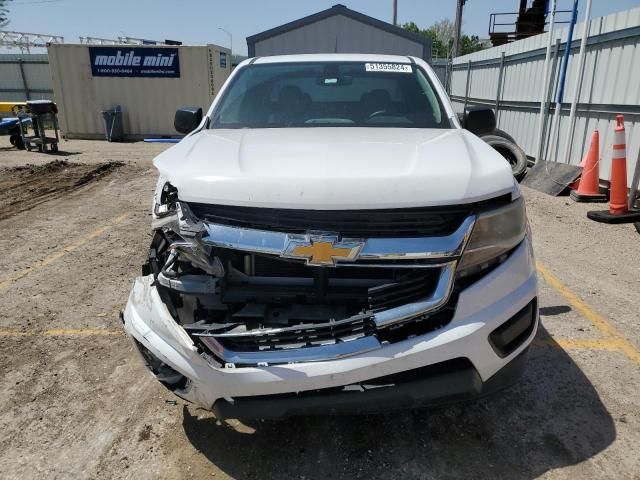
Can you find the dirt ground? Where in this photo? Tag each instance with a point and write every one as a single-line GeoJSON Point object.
{"type": "Point", "coordinates": [76, 401]}
{"type": "Point", "coordinates": [26, 186]}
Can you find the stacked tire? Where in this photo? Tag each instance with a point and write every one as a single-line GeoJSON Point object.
{"type": "Point", "coordinates": [505, 145]}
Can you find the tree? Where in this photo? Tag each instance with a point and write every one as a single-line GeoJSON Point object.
{"type": "Point", "coordinates": [471, 44]}
{"type": "Point", "coordinates": [4, 13]}
{"type": "Point", "coordinates": [438, 49]}
{"type": "Point", "coordinates": [444, 30]}
{"type": "Point", "coordinates": [441, 35]}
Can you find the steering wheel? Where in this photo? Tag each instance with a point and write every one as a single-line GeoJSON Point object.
{"type": "Point", "coordinates": [377, 114]}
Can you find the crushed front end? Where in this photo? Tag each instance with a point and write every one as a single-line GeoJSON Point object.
{"type": "Point", "coordinates": [269, 312]}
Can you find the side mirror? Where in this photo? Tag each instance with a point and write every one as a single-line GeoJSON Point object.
{"type": "Point", "coordinates": [187, 119]}
{"type": "Point", "coordinates": [479, 120]}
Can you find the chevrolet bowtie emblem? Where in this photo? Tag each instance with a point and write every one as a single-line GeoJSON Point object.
{"type": "Point", "coordinates": [323, 250]}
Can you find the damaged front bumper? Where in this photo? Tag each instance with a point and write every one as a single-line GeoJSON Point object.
{"type": "Point", "coordinates": [476, 351]}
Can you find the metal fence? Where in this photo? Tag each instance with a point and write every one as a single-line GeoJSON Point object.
{"type": "Point", "coordinates": [442, 68]}
{"type": "Point", "coordinates": [24, 77]}
{"type": "Point", "coordinates": [509, 78]}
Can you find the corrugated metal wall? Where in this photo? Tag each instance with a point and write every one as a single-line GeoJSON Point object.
{"type": "Point", "coordinates": [337, 34]}
{"type": "Point", "coordinates": [148, 104]}
{"type": "Point", "coordinates": [610, 85]}
{"type": "Point", "coordinates": [24, 77]}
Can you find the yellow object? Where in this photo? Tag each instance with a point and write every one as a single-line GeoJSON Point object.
{"type": "Point", "coordinates": [322, 253]}
{"type": "Point", "coordinates": [611, 334]}
{"type": "Point", "coordinates": [5, 107]}
{"type": "Point", "coordinates": [58, 332]}
{"type": "Point", "coordinates": [55, 256]}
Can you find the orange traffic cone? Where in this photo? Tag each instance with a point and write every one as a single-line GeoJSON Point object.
{"type": "Point", "coordinates": [589, 186]}
{"type": "Point", "coordinates": [618, 194]}
{"type": "Point", "coordinates": [618, 210]}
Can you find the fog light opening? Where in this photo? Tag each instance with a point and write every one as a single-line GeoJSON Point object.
{"type": "Point", "coordinates": [514, 332]}
{"type": "Point", "coordinates": [166, 375]}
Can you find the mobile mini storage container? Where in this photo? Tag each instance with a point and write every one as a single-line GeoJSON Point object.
{"type": "Point", "coordinates": [147, 82]}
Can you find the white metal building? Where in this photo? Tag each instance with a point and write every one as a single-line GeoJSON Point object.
{"type": "Point", "coordinates": [338, 30]}
{"type": "Point", "coordinates": [148, 82]}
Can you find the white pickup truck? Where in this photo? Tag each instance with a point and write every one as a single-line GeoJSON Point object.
{"type": "Point", "coordinates": [329, 237]}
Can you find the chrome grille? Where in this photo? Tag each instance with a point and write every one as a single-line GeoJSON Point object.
{"type": "Point", "coordinates": [279, 309]}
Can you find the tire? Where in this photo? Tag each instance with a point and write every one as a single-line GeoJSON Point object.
{"type": "Point", "coordinates": [502, 133]}
{"type": "Point", "coordinates": [19, 144]}
{"type": "Point", "coordinates": [637, 225]}
{"type": "Point", "coordinates": [511, 152]}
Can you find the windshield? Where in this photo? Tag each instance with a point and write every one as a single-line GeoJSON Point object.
{"type": "Point", "coordinates": [345, 94]}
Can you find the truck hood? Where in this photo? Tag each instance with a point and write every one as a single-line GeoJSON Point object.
{"type": "Point", "coordinates": [327, 168]}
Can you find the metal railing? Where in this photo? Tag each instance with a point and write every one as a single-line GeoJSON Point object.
{"type": "Point", "coordinates": [519, 29]}
{"type": "Point", "coordinates": [25, 41]}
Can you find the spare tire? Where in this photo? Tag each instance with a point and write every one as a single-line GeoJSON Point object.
{"type": "Point", "coordinates": [511, 152]}
{"type": "Point", "coordinates": [502, 133]}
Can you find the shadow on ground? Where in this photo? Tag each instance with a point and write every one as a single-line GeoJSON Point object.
{"type": "Point", "coordinates": [59, 153]}
{"type": "Point", "coordinates": [553, 418]}
{"type": "Point", "coordinates": [62, 153]}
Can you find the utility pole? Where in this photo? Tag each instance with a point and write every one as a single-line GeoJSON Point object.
{"type": "Point", "coordinates": [458, 27]}
{"type": "Point", "coordinates": [230, 38]}
{"type": "Point", "coordinates": [395, 12]}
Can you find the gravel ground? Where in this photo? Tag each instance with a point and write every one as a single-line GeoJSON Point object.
{"type": "Point", "coordinates": [77, 402]}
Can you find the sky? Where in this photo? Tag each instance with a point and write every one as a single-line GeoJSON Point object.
{"type": "Point", "coordinates": [199, 21]}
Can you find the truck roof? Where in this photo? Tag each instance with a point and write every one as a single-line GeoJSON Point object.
{"type": "Point", "coordinates": [334, 57]}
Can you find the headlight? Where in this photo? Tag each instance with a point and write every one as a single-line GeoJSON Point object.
{"type": "Point", "coordinates": [495, 233]}
{"type": "Point", "coordinates": [165, 203]}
